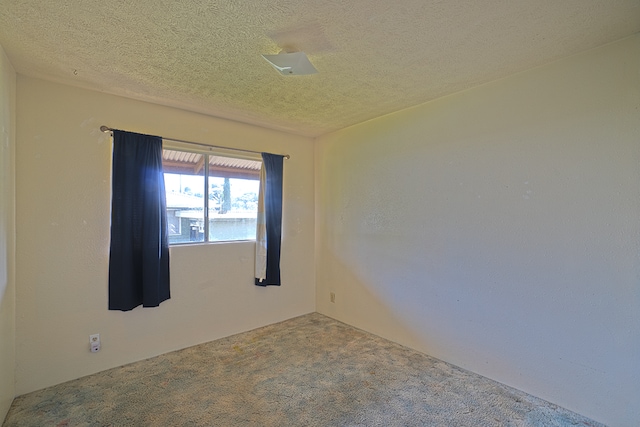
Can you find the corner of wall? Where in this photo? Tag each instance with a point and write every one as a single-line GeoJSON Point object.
{"type": "Point", "coordinates": [316, 230]}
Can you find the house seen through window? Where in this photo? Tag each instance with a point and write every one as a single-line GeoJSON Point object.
{"type": "Point", "coordinates": [210, 197]}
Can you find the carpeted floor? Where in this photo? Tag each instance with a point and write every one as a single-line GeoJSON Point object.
{"type": "Point", "coordinates": [307, 371]}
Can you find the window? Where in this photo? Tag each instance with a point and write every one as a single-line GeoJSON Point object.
{"type": "Point", "coordinates": [212, 196]}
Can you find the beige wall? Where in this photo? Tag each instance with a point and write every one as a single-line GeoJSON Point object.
{"type": "Point", "coordinates": [498, 229]}
{"type": "Point", "coordinates": [7, 233]}
{"type": "Point", "coordinates": [63, 202]}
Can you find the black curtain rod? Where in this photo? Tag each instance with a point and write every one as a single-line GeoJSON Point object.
{"type": "Point", "coordinates": [104, 128]}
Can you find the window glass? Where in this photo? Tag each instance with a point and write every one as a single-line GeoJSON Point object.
{"type": "Point", "coordinates": [233, 207]}
{"type": "Point", "coordinates": [210, 198]}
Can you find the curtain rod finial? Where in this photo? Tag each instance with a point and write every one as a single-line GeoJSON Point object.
{"type": "Point", "coordinates": [104, 128]}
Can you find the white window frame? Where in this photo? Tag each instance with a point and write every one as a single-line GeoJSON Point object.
{"type": "Point", "coordinates": [208, 152]}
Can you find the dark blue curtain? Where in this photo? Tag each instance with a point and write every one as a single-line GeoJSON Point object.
{"type": "Point", "coordinates": [273, 217]}
{"type": "Point", "coordinates": [139, 254]}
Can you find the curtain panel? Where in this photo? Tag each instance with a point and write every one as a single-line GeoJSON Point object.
{"type": "Point", "coordinates": [139, 252]}
{"type": "Point", "coordinates": [269, 224]}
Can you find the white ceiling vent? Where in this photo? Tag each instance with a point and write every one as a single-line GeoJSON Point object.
{"type": "Point", "coordinates": [291, 64]}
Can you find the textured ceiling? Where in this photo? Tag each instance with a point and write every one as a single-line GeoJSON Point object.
{"type": "Point", "coordinates": [374, 57]}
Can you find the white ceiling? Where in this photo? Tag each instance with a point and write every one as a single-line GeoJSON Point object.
{"type": "Point", "coordinates": [373, 57]}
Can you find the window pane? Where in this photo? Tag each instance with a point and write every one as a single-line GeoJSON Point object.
{"type": "Point", "coordinates": [233, 208]}
{"type": "Point", "coordinates": [231, 196]}
{"type": "Point", "coordinates": [185, 207]}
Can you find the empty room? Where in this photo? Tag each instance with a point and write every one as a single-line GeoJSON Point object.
{"type": "Point", "coordinates": [370, 213]}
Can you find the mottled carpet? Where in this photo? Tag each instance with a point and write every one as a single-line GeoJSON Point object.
{"type": "Point", "coordinates": [307, 371]}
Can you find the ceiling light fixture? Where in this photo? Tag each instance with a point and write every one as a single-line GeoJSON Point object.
{"type": "Point", "coordinates": [291, 63]}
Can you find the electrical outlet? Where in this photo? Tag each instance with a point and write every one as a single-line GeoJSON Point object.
{"type": "Point", "coordinates": [94, 343]}
{"type": "Point", "coordinates": [332, 296]}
